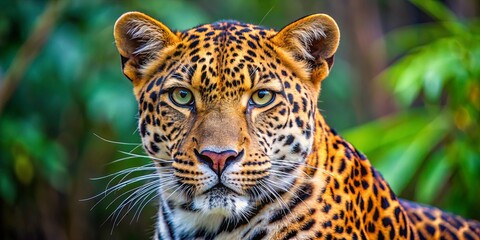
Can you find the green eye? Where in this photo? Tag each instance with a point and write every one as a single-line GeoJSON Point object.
{"type": "Point", "coordinates": [181, 96]}
{"type": "Point", "coordinates": [262, 98]}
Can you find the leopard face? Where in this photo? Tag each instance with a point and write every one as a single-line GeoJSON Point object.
{"type": "Point", "coordinates": [226, 110]}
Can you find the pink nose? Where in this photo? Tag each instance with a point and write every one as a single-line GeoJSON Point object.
{"type": "Point", "coordinates": [217, 161]}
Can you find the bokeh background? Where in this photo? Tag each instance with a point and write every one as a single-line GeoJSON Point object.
{"type": "Point", "coordinates": [405, 89]}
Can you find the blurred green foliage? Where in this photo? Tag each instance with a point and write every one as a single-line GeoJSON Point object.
{"type": "Point", "coordinates": [73, 88]}
{"type": "Point", "coordinates": [432, 146]}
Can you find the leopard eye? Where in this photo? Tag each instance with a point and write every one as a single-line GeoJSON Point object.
{"type": "Point", "coordinates": [181, 96]}
{"type": "Point", "coordinates": [262, 98]}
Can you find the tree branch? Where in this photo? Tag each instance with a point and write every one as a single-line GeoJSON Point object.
{"type": "Point", "coordinates": [29, 50]}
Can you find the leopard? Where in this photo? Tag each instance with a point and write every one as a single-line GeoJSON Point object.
{"type": "Point", "coordinates": [228, 114]}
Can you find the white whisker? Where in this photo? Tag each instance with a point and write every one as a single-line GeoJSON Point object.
{"type": "Point", "coordinates": [146, 156]}
{"type": "Point", "coordinates": [115, 142]}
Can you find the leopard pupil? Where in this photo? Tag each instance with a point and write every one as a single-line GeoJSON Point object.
{"type": "Point", "coordinates": [262, 94]}
{"type": "Point", "coordinates": [183, 93]}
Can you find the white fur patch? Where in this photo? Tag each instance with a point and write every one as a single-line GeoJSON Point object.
{"type": "Point", "coordinates": [213, 208]}
{"type": "Point", "coordinates": [147, 35]}
{"type": "Point", "coordinates": [302, 37]}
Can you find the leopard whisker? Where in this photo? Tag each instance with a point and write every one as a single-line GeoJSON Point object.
{"type": "Point", "coordinates": [189, 71]}
{"type": "Point", "coordinates": [276, 195]}
{"type": "Point", "coordinates": [147, 156]}
{"type": "Point", "coordinates": [277, 185]}
{"type": "Point", "coordinates": [127, 174]}
{"type": "Point", "coordinates": [303, 164]}
{"type": "Point", "coordinates": [144, 204]}
{"type": "Point", "coordinates": [125, 171]}
{"type": "Point", "coordinates": [294, 195]}
{"type": "Point", "coordinates": [126, 202]}
{"type": "Point", "coordinates": [132, 199]}
{"type": "Point", "coordinates": [116, 142]}
{"type": "Point", "coordinates": [134, 190]}
{"type": "Point", "coordinates": [285, 205]}
{"type": "Point", "coordinates": [304, 176]}
{"type": "Point", "coordinates": [273, 191]}
{"type": "Point", "coordinates": [139, 200]}
{"type": "Point", "coordinates": [121, 159]}
{"type": "Point", "coordinates": [118, 197]}
{"type": "Point", "coordinates": [119, 186]}
{"type": "Point", "coordinates": [179, 187]}
{"type": "Point", "coordinates": [289, 190]}
{"type": "Point", "coordinates": [245, 214]}
{"type": "Point", "coordinates": [260, 195]}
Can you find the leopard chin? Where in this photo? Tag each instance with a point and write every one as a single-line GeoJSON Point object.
{"type": "Point", "coordinates": [221, 201]}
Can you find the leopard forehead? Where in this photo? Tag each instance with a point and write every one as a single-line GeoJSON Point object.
{"type": "Point", "coordinates": [222, 60]}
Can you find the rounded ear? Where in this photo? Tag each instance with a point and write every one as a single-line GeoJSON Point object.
{"type": "Point", "coordinates": [140, 39]}
{"type": "Point", "coordinates": [313, 39]}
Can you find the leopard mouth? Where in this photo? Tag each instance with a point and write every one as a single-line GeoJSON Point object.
{"type": "Point", "coordinates": [220, 188]}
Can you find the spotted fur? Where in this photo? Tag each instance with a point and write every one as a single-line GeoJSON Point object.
{"type": "Point", "coordinates": [233, 169]}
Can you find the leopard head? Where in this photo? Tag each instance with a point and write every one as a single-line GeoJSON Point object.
{"type": "Point", "coordinates": [227, 110]}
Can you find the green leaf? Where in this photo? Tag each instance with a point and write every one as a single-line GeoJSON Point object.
{"type": "Point", "coordinates": [388, 131]}
{"type": "Point", "coordinates": [403, 40]}
{"type": "Point", "coordinates": [467, 158]}
{"type": "Point", "coordinates": [439, 11]}
{"type": "Point", "coordinates": [399, 145]}
{"type": "Point", "coordinates": [405, 78]}
{"type": "Point", "coordinates": [434, 176]}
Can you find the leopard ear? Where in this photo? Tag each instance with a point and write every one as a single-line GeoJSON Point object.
{"type": "Point", "coordinates": [140, 39]}
{"type": "Point", "coordinates": [313, 40]}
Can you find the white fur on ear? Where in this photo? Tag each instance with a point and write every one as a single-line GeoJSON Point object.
{"type": "Point", "coordinates": [140, 39]}
{"type": "Point", "coordinates": [310, 44]}
{"type": "Point", "coordinates": [301, 39]}
{"type": "Point", "coordinates": [146, 35]}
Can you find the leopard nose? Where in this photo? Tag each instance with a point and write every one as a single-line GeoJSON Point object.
{"type": "Point", "coordinates": [218, 161]}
